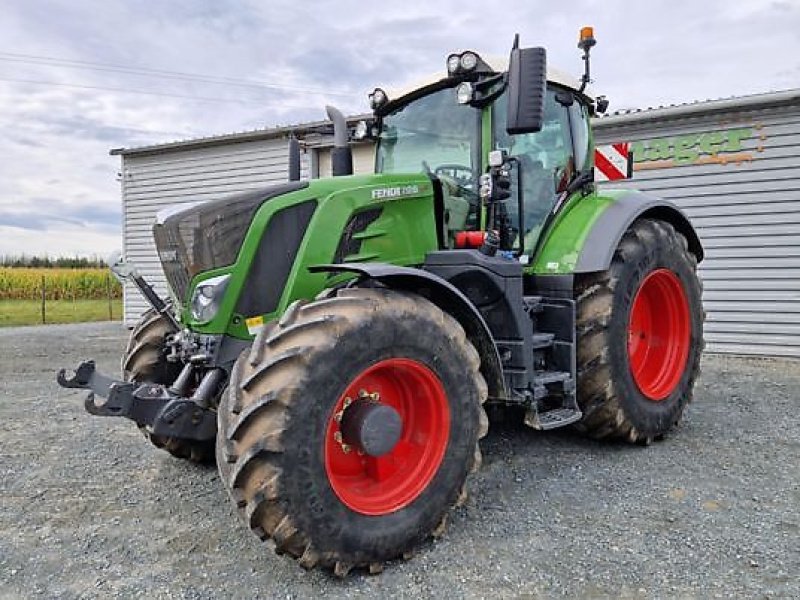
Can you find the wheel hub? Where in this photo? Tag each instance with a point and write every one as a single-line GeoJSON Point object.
{"type": "Point", "coordinates": [659, 334]}
{"type": "Point", "coordinates": [372, 427]}
{"type": "Point", "coordinates": [386, 436]}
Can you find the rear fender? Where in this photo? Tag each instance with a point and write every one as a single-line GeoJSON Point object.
{"type": "Point", "coordinates": [608, 229]}
{"type": "Point", "coordinates": [587, 232]}
{"type": "Point", "coordinates": [447, 297]}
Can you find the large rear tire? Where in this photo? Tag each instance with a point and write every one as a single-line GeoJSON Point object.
{"type": "Point", "coordinates": [640, 336]}
{"type": "Point", "coordinates": [144, 361]}
{"type": "Point", "coordinates": [282, 445]}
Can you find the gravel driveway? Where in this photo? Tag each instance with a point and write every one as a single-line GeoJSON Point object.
{"type": "Point", "coordinates": [88, 509]}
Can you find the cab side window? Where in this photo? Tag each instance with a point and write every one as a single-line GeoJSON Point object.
{"type": "Point", "coordinates": [579, 124]}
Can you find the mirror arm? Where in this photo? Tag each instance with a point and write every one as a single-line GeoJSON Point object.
{"type": "Point", "coordinates": [583, 178]}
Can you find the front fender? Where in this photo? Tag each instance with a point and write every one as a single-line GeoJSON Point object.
{"type": "Point", "coordinates": [447, 297]}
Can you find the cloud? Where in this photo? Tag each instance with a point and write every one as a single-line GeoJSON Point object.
{"type": "Point", "coordinates": [48, 213]}
{"type": "Point", "coordinates": [56, 175]}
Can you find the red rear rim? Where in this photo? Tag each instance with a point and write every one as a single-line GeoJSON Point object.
{"type": "Point", "coordinates": [659, 334]}
{"type": "Point", "coordinates": [380, 485]}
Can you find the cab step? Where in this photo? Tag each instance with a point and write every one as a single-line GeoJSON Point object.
{"type": "Point", "coordinates": [552, 419]}
{"type": "Point", "coordinates": [548, 377]}
{"type": "Point", "coordinates": [543, 340]}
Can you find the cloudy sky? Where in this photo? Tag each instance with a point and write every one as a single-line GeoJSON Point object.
{"type": "Point", "coordinates": [79, 77]}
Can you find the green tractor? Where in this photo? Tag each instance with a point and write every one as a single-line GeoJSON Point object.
{"type": "Point", "coordinates": [334, 344]}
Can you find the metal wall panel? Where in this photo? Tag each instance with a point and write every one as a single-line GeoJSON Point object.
{"type": "Point", "coordinates": [156, 180]}
{"type": "Point", "coordinates": [363, 159]}
{"type": "Point", "coordinates": [744, 200]}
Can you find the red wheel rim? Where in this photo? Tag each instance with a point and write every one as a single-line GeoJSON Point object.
{"type": "Point", "coordinates": [381, 485]}
{"type": "Point", "coordinates": [659, 334]}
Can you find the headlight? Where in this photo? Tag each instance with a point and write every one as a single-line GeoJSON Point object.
{"type": "Point", "coordinates": [207, 298]}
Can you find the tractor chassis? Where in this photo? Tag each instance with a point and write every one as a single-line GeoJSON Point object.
{"type": "Point", "coordinates": [164, 410]}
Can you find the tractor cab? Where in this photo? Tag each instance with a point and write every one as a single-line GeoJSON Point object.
{"type": "Point", "coordinates": [450, 127]}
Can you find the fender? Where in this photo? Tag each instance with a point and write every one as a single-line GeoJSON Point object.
{"type": "Point", "coordinates": [447, 297]}
{"type": "Point", "coordinates": [607, 231]}
{"type": "Point", "coordinates": [585, 236]}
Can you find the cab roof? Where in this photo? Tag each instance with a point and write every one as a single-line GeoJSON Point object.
{"type": "Point", "coordinates": [497, 64]}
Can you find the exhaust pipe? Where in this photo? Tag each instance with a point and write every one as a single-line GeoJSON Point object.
{"type": "Point", "coordinates": [294, 158]}
{"type": "Point", "coordinates": [341, 155]}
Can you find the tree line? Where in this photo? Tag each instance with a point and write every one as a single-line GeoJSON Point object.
{"type": "Point", "coordinates": [45, 262]}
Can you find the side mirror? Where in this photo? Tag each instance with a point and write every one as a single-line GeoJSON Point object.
{"type": "Point", "coordinates": [527, 82]}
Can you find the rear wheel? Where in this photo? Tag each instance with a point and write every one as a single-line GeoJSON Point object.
{"type": "Point", "coordinates": [640, 336]}
{"type": "Point", "coordinates": [145, 362]}
{"type": "Point", "coordinates": [349, 428]}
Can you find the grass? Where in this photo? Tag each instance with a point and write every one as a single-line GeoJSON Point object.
{"type": "Point", "coordinates": [29, 312]}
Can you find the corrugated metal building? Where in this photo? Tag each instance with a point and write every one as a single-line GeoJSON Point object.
{"type": "Point", "coordinates": [733, 165]}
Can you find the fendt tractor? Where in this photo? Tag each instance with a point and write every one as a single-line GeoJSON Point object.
{"type": "Point", "coordinates": [335, 344]}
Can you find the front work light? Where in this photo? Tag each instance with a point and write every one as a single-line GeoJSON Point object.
{"type": "Point", "coordinates": [466, 62]}
{"type": "Point", "coordinates": [464, 92]}
{"type": "Point", "coordinates": [362, 130]}
{"type": "Point", "coordinates": [207, 298]}
{"type": "Point", "coordinates": [377, 98]}
{"type": "Point", "coordinates": [469, 60]}
{"type": "Point", "coordinates": [453, 63]}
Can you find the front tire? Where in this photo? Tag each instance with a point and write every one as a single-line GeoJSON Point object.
{"type": "Point", "coordinates": [296, 480]}
{"type": "Point", "coordinates": [145, 361]}
{"type": "Point", "coordinates": [640, 336]}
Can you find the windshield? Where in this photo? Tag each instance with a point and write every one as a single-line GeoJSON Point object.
{"type": "Point", "coordinates": [433, 134]}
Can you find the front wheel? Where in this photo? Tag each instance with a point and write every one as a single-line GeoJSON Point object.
{"type": "Point", "coordinates": [350, 427]}
{"type": "Point", "coordinates": [640, 335]}
{"type": "Point", "coordinates": [145, 361]}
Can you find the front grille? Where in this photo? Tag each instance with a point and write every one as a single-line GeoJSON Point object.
{"type": "Point", "coordinates": [208, 235]}
{"type": "Point", "coordinates": [274, 259]}
{"type": "Point", "coordinates": [169, 251]}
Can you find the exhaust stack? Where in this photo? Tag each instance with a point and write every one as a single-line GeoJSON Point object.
{"type": "Point", "coordinates": [294, 159]}
{"type": "Point", "coordinates": [341, 155]}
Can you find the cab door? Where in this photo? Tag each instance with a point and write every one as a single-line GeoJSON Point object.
{"type": "Point", "coordinates": [543, 163]}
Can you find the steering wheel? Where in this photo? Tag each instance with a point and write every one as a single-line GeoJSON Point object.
{"type": "Point", "coordinates": [461, 174]}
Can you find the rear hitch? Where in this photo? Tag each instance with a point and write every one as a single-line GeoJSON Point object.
{"type": "Point", "coordinates": [155, 406]}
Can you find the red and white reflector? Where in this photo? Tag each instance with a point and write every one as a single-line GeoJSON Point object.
{"type": "Point", "coordinates": [612, 162]}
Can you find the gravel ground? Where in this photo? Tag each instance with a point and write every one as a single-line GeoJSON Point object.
{"type": "Point", "coordinates": [90, 510]}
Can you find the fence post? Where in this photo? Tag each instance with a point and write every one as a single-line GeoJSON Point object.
{"type": "Point", "coordinates": [108, 295]}
{"type": "Point", "coordinates": [44, 295]}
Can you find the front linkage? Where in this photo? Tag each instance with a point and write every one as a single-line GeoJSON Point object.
{"type": "Point", "coordinates": [164, 410]}
{"type": "Point", "coordinates": [179, 410]}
